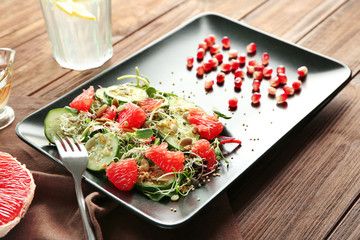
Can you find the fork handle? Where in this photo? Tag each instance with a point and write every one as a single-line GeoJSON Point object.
{"type": "Point", "coordinates": [80, 198]}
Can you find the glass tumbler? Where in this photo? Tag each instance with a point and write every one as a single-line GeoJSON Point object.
{"type": "Point", "coordinates": [7, 114]}
{"type": "Point", "coordinates": [79, 32]}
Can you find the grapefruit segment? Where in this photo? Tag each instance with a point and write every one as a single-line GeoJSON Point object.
{"type": "Point", "coordinates": [17, 189]}
{"type": "Point", "coordinates": [131, 116]}
{"type": "Point", "coordinates": [167, 160]}
{"type": "Point", "coordinates": [208, 126]}
{"type": "Point", "coordinates": [83, 101]}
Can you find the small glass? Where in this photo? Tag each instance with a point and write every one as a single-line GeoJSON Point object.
{"type": "Point", "coordinates": [7, 114]}
{"type": "Point", "coordinates": [79, 32]}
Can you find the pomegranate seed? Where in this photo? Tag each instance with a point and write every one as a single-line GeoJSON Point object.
{"type": "Point", "coordinates": [239, 74]}
{"type": "Point", "coordinates": [200, 70]}
{"type": "Point", "coordinates": [209, 84]}
{"type": "Point", "coordinates": [214, 49]}
{"type": "Point", "coordinates": [233, 102]}
{"type": "Point", "coordinates": [233, 53]}
{"type": "Point", "coordinates": [225, 67]}
{"type": "Point", "coordinates": [209, 41]}
{"type": "Point", "coordinates": [288, 90]}
{"type": "Point", "coordinates": [280, 69]}
{"type": "Point", "coordinates": [272, 90]}
{"type": "Point", "coordinates": [212, 38]}
{"type": "Point", "coordinates": [267, 72]}
{"type": "Point", "coordinates": [265, 58]}
{"type": "Point", "coordinates": [251, 48]}
{"type": "Point", "coordinates": [253, 63]}
{"type": "Point", "coordinates": [282, 78]}
{"type": "Point", "coordinates": [258, 75]}
{"type": "Point", "coordinates": [215, 62]}
{"type": "Point", "coordinates": [219, 57]}
{"type": "Point", "coordinates": [207, 66]}
{"type": "Point", "coordinates": [274, 81]}
{"type": "Point", "coordinates": [190, 61]}
{"type": "Point", "coordinates": [302, 71]}
{"type": "Point", "coordinates": [296, 84]}
{"type": "Point", "coordinates": [259, 68]}
{"type": "Point", "coordinates": [200, 54]}
{"type": "Point", "coordinates": [255, 98]}
{"type": "Point", "coordinates": [256, 85]}
{"type": "Point", "coordinates": [203, 45]}
{"type": "Point", "coordinates": [242, 58]}
{"type": "Point", "coordinates": [281, 98]}
{"type": "Point", "coordinates": [238, 82]}
{"type": "Point", "coordinates": [225, 42]}
{"type": "Point", "coordinates": [234, 64]}
{"type": "Point", "coordinates": [220, 78]}
{"type": "Point", "coordinates": [250, 69]}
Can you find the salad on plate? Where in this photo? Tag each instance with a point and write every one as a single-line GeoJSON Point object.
{"type": "Point", "coordinates": [142, 138]}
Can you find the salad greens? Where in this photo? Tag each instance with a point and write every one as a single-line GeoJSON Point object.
{"type": "Point", "coordinates": [110, 134]}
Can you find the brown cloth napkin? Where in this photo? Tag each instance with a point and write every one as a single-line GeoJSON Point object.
{"type": "Point", "coordinates": [54, 213]}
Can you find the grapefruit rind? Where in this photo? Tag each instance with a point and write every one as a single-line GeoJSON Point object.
{"type": "Point", "coordinates": [5, 228]}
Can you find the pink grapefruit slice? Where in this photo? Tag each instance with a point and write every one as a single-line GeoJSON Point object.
{"type": "Point", "coordinates": [17, 189]}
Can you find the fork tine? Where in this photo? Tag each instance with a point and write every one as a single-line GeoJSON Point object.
{"type": "Point", "coordinates": [80, 145]}
{"type": "Point", "coordinates": [73, 144]}
{"type": "Point", "coordinates": [57, 142]}
{"type": "Point", "coordinates": [66, 145]}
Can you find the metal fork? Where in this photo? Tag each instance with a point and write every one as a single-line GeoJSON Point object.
{"type": "Point", "coordinates": [74, 157]}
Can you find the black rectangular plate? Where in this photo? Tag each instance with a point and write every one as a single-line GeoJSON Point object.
{"type": "Point", "coordinates": [259, 127]}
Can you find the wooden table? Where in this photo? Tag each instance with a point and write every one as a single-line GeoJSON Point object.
{"type": "Point", "coordinates": [310, 188]}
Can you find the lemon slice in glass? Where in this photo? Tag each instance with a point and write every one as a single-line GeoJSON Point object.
{"type": "Point", "coordinates": [76, 8]}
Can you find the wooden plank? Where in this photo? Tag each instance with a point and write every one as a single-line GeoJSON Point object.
{"type": "Point", "coordinates": [349, 227]}
{"type": "Point", "coordinates": [301, 192]}
{"type": "Point", "coordinates": [291, 20]}
{"type": "Point", "coordinates": [18, 14]}
{"type": "Point", "coordinates": [339, 36]}
{"type": "Point", "coordinates": [294, 22]}
{"type": "Point", "coordinates": [148, 34]}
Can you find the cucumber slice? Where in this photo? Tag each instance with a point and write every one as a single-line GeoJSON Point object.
{"type": "Point", "coordinates": [165, 181]}
{"type": "Point", "coordinates": [177, 131]}
{"type": "Point", "coordinates": [100, 95]}
{"type": "Point", "coordinates": [52, 121]}
{"type": "Point", "coordinates": [102, 149]}
{"type": "Point", "coordinates": [125, 93]}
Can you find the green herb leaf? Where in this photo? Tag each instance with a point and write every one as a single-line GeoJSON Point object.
{"type": "Point", "coordinates": [144, 133]}
{"type": "Point", "coordinates": [220, 114]}
{"type": "Point", "coordinates": [151, 91]}
{"type": "Point", "coordinates": [157, 141]}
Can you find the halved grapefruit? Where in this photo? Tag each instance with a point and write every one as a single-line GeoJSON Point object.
{"type": "Point", "coordinates": [17, 189]}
